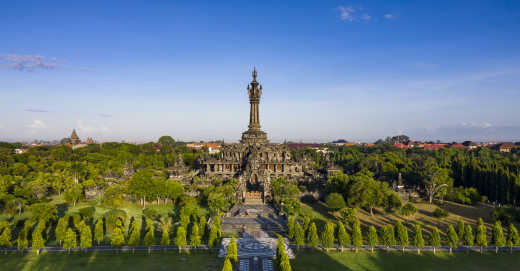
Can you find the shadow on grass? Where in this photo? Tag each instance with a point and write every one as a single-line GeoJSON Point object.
{"type": "Point", "coordinates": [382, 261]}
{"type": "Point", "coordinates": [111, 261]}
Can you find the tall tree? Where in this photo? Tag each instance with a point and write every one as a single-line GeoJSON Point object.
{"type": "Point", "coordinates": [134, 238]}
{"type": "Point", "coordinates": [149, 239]}
{"type": "Point", "coordinates": [99, 233]}
{"type": "Point", "coordinates": [402, 235]}
{"type": "Point", "coordinates": [299, 235]}
{"type": "Point", "coordinates": [165, 225]}
{"type": "Point", "coordinates": [85, 236]}
{"type": "Point", "coordinates": [180, 238]}
{"type": "Point", "coordinates": [498, 236]}
{"type": "Point", "coordinates": [285, 264]}
{"type": "Point", "coordinates": [312, 236]}
{"type": "Point", "coordinates": [61, 229]}
{"type": "Point", "coordinates": [469, 238]}
{"type": "Point", "coordinates": [418, 239]}
{"type": "Point", "coordinates": [357, 237]}
{"type": "Point", "coordinates": [37, 240]}
{"type": "Point", "coordinates": [195, 236]}
{"type": "Point", "coordinates": [232, 251]}
{"type": "Point", "coordinates": [512, 237]}
{"type": "Point", "coordinates": [5, 238]}
{"type": "Point", "coordinates": [435, 239]}
{"type": "Point", "coordinates": [70, 241]}
{"type": "Point", "coordinates": [327, 236]}
{"type": "Point", "coordinates": [227, 265]}
{"type": "Point", "coordinates": [460, 230]}
{"type": "Point", "coordinates": [118, 238]}
{"type": "Point", "coordinates": [388, 235]}
{"type": "Point", "coordinates": [202, 226]}
{"type": "Point", "coordinates": [452, 238]}
{"type": "Point", "coordinates": [290, 227]}
{"type": "Point", "coordinates": [343, 236]}
{"type": "Point", "coordinates": [21, 242]}
{"type": "Point", "coordinates": [372, 238]}
{"type": "Point", "coordinates": [213, 236]}
{"type": "Point", "coordinates": [481, 237]}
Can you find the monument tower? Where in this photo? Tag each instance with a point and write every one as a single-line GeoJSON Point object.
{"type": "Point", "coordinates": [254, 135]}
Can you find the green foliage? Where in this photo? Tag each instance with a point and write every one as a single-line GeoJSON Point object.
{"type": "Point", "coordinates": [435, 238]}
{"type": "Point", "coordinates": [440, 213]}
{"type": "Point", "coordinates": [202, 226]}
{"type": "Point", "coordinates": [512, 238]}
{"type": "Point", "coordinates": [5, 237]}
{"type": "Point", "coordinates": [327, 236]}
{"type": "Point", "coordinates": [113, 218]}
{"type": "Point", "coordinates": [464, 195]}
{"type": "Point", "coordinates": [37, 240]}
{"type": "Point", "coordinates": [70, 241]}
{"type": "Point", "coordinates": [213, 236]}
{"type": "Point", "coordinates": [287, 193]}
{"type": "Point", "coordinates": [498, 235]}
{"type": "Point", "coordinates": [290, 227]}
{"type": "Point", "coordinates": [372, 237]}
{"type": "Point", "coordinates": [285, 264]}
{"type": "Point", "coordinates": [418, 239]}
{"type": "Point", "coordinates": [61, 229]}
{"type": "Point", "coordinates": [134, 238]}
{"type": "Point", "coordinates": [99, 234]}
{"type": "Point", "coordinates": [481, 237]}
{"type": "Point", "coordinates": [43, 211]}
{"type": "Point", "coordinates": [299, 235]}
{"type": "Point", "coordinates": [306, 223]}
{"type": "Point", "coordinates": [87, 212]}
{"type": "Point", "coordinates": [227, 265]}
{"type": "Point", "coordinates": [402, 234]}
{"type": "Point", "coordinates": [165, 237]}
{"type": "Point", "coordinates": [149, 237]}
{"type": "Point", "coordinates": [469, 238]}
{"type": "Point", "coordinates": [343, 236]}
{"type": "Point", "coordinates": [335, 201]}
{"type": "Point", "coordinates": [195, 237]}
{"type": "Point", "coordinates": [408, 210]}
{"type": "Point", "coordinates": [460, 229]}
{"type": "Point", "coordinates": [85, 236]}
{"type": "Point", "coordinates": [506, 215]}
{"type": "Point", "coordinates": [388, 235]}
{"type": "Point", "coordinates": [22, 242]}
{"type": "Point", "coordinates": [348, 215]}
{"type": "Point", "coordinates": [118, 238]}
{"type": "Point", "coordinates": [452, 238]}
{"type": "Point", "coordinates": [232, 251]}
{"type": "Point", "coordinates": [180, 237]}
{"type": "Point", "coordinates": [357, 237]}
{"type": "Point", "coordinates": [312, 236]}
{"type": "Point", "coordinates": [393, 202]}
{"type": "Point", "coordinates": [151, 213]}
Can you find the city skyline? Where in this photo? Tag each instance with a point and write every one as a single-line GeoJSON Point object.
{"type": "Point", "coordinates": [355, 70]}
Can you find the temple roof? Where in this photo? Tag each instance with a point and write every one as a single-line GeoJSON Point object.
{"type": "Point", "coordinates": [74, 135]}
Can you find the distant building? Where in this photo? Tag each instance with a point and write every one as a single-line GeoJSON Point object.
{"type": "Point", "coordinates": [505, 147]}
{"type": "Point", "coordinates": [20, 151]}
{"type": "Point", "coordinates": [74, 139]}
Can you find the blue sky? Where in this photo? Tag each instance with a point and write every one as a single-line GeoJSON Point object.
{"type": "Point", "coordinates": [358, 70]}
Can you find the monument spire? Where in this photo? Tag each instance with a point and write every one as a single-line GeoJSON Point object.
{"type": "Point", "coordinates": [254, 134]}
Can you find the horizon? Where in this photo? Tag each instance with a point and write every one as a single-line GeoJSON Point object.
{"type": "Point", "coordinates": [353, 70]}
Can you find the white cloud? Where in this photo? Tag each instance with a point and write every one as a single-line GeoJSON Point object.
{"type": "Point", "coordinates": [389, 16]}
{"type": "Point", "coordinates": [346, 13]}
{"type": "Point", "coordinates": [37, 124]}
{"type": "Point", "coordinates": [351, 14]}
{"type": "Point", "coordinates": [1, 126]}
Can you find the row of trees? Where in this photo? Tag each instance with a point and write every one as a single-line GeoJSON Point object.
{"type": "Point", "coordinates": [67, 233]}
{"type": "Point", "coordinates": [305, 233]}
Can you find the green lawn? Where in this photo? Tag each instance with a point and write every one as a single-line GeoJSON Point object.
{"type": "Point", "coordinates": [111, 261]}
{"type": "Point", "coordinates": [318, 261]}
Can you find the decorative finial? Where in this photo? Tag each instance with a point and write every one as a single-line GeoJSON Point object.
{"type": "Point", "coordinates": [254, 73]}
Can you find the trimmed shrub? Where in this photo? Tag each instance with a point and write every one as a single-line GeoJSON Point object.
{"type": "Point", "coordinates": [408, 210]}
{"type": "Point", "coordinates": [440, 213]}
{"type": "Point", "coordinates": [87, 212]}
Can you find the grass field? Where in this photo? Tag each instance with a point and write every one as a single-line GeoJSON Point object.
{"type": "Point", "coordinates": [379, 261]}
{"type": "Point", "coordinates": [111, 261]}
{"type": "Point", "coordinates": [305, 261]}
{"type": "Point", "coordinates": [469, 214]}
